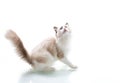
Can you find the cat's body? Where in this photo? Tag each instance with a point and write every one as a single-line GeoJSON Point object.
{"type": "Point", "coordinates": [45, 54]}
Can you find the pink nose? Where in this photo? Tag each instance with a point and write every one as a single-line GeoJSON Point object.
{"type": "Point", "coordinates": [65, 29]}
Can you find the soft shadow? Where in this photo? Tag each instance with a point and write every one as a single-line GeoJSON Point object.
{"type": "Point", "coordinates": [31, 76]}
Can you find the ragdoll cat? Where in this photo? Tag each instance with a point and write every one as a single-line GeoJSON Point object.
{"type": "Point", "coordinates": [44, 55]}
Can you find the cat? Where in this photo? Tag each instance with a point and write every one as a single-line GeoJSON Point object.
{"type": "Point", "coordinates": [46, 53]}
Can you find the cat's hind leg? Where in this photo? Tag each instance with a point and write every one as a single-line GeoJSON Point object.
{"type": "Point", "coordinates": [43, 67]}
{"type": "Point", "coordinates": [44, 63]}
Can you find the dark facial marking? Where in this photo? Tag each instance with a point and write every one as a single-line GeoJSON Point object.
{"type": "Point", "coordinates": [61, 27]}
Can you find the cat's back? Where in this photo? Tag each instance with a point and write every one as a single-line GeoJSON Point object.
{"type": "Point", "coordinates": [47, 44]}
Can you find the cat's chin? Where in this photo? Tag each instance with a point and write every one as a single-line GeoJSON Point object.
{"type": "Point", "coordinates": [66, 34]}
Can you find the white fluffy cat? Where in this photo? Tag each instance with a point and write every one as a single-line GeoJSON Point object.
{"type": "Point", "coordinates": [44, 55]}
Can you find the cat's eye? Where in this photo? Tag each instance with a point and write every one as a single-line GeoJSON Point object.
{"type": "Point", "coordinates": [61, 28]}
{"type": "Point", "coordinates": [65, 26]}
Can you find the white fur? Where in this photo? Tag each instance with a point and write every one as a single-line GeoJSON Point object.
{"type": "Point", "coordinates": [62, 41]}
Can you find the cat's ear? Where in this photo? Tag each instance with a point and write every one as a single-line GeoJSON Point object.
{"type": "Point", "coordinates": [55, 28]}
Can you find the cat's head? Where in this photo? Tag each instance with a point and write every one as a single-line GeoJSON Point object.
{"type": "Point", "coordinates": [62, 31]}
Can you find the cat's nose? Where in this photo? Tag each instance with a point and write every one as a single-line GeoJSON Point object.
{"type": "Point", "coordinates": [66, 29]}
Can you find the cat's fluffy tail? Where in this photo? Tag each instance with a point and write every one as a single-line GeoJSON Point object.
{"type": "Point", "coordinates": [20, 49]}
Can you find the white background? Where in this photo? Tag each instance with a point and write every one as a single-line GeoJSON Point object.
{"type": "Point", "coordinates": [95, 46]}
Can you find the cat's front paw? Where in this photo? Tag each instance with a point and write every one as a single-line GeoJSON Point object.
{"type": "Point", "coordinates": [74, 67]}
